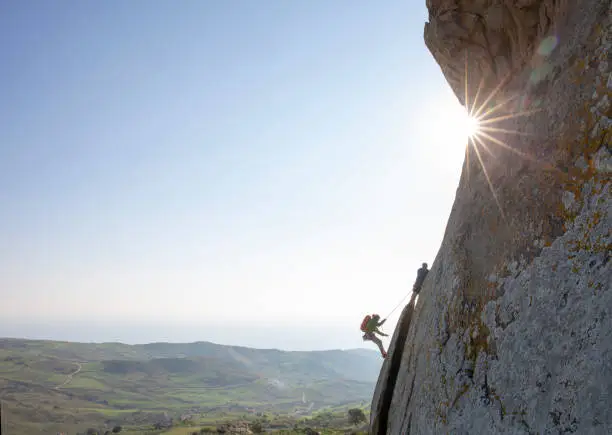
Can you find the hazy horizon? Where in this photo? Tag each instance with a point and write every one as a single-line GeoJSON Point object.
{"type": "Point", "coordinates": [269, 172]}
{"type": "Point", "coordinates": [298, 339]}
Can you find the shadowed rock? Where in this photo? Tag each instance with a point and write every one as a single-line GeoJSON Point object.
{"type": "Point", "coordinates": [490, 39]}
{"type": "Point", "coordinates": [383, 393]}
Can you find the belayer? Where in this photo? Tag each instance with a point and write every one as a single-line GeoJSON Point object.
{"type": "Point", "coordinates": [370, 325]}
{"type": "Point", "coordinates": [421, 274]}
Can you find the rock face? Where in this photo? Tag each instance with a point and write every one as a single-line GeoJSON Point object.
{"type": "Point", "coordinates": [512, 331]}
{"type": "Point", "coordinates": [496, 38]}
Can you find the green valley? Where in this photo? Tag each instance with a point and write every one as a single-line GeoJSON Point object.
{"type": "Point", "coordinates": [52, 386]}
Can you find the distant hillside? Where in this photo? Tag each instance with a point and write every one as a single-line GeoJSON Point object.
{"type": "Point", "coordinates": [50, 386]}
{"type": "Point", "coordinates": [355, 364]}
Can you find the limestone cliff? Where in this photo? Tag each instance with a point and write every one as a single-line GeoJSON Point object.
{"type": "Point", "coordinates": [512, 330]}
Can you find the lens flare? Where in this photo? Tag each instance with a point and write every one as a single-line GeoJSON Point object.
{"type": "Point", "coordinates": [484, 126]}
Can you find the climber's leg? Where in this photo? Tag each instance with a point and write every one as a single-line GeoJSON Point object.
{"type": "Point", "coordinates": [379, 343]}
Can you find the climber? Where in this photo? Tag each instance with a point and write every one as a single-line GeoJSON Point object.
{"type": "Point", "coordinates": [421, 274]}
{"type": "Point", "coordinates": [370, 325]}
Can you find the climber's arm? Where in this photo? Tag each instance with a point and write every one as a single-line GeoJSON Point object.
{"type": "Point", "coordinates": [379, 332]}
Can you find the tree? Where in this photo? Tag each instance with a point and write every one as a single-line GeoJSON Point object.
{"type": "Point", "coordinates": [117, 429]}
{"type": "Point", "coordinates": [257, 427]}
{"type": "Point", "coordinates": [356, 416]}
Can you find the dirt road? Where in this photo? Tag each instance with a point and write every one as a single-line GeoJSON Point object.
{"type": "Point", "coordinates": [69, 376]}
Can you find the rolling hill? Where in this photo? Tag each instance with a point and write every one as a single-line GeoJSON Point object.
{"type": "Point", "coordinates": [50, 386]}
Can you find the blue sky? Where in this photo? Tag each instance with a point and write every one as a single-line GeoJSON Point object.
{"type": "Point", "coordinates": [229, 164]}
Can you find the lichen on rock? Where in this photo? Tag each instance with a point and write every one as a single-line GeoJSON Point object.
{"type": "Point", "coordinates": [512, 332]}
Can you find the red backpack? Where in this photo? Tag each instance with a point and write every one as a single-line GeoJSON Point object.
{"type": "Point", "coordinates": [364, 322]}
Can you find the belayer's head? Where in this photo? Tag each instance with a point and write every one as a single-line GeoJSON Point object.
{"type": "Point", "coordinates": [375, 316]}
{"type": "Point", "coordinates": [425, 265]}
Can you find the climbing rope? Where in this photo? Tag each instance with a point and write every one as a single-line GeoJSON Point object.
{"type": "Point", "coordinates": [406, 295]}
{"type": "Point", "coordinates": [397, 306]}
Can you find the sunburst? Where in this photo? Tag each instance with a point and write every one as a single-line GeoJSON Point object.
{"type": "Point", "coordinates": [472, 126]}
{"type": "Point", "coordinates": [484, 128]}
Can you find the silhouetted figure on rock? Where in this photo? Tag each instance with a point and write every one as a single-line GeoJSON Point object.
{"type": "Point", "coordinates": [421, 274]}
{"type": "Point", "coordinates": [370, 325]}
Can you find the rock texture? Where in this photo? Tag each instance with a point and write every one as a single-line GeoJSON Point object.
{"type": "Point", "coordinates": [494, 38]}
{"type": "Point", "coordinates": [512, 331]}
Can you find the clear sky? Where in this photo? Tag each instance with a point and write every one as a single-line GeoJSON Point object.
{"type": "Point", "coordinates": [203, 170]}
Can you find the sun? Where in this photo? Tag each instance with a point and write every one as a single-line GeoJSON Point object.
{"type": "Point", "coordinates": [455, 125]}
{"type": "Point", "coordinates": [471, 125]}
